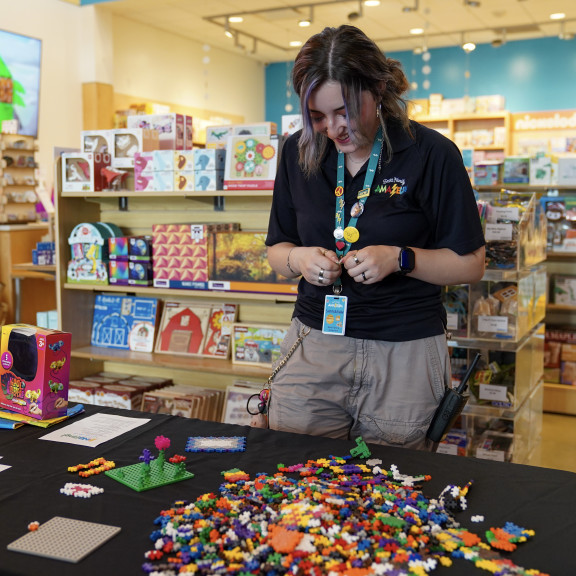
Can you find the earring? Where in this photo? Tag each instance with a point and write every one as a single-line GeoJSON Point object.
{"type": "Point", "coordinates": [377, 111]}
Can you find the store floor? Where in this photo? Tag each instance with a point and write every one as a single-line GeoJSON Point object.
{"type": "Point", "coordinates": [558, 446]}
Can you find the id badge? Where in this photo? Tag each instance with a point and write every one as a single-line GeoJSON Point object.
{"type": "Point", "coordinates": [334, 321]}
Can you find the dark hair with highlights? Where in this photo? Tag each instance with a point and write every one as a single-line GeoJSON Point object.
{"type": "Point", "coordinates": [346, 55]}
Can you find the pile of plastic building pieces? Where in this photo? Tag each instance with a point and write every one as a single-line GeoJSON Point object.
{"type": "Point", "coordinates": [326, 517]}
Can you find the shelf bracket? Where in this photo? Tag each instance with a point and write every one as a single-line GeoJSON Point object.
{"type": "Point", "coordinates": [123, 204]}
{"type": "Point", "coordinates": [219, 203]}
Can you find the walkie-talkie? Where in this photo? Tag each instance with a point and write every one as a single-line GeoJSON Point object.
{"type": "Point", "coordinates": [450, 407]}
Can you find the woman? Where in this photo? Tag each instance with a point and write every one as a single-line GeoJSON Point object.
{"type": "Point", "coordinates": [376, 213]}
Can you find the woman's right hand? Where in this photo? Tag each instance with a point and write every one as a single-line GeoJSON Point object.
{"type": "Point", "coordinates": [318, 265]}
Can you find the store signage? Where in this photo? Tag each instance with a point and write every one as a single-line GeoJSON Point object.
{"type": "Point", "coordinates": [548, 120]}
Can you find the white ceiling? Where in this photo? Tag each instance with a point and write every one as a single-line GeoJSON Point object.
{"type": "Point", "coordinates": [275, 22]}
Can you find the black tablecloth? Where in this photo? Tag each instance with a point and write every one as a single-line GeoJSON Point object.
{"type": "Point", "coordinates": [534, 498]}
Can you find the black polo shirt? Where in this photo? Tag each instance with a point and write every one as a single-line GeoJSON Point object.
{"type": "Point", "coordinates": [421, 198]}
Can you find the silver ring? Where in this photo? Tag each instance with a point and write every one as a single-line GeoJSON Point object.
{"type": "Point", "coordinates": [355, 258]}
{"type": "Point", "coordinates": [321, 276]}
{"type": "Point", "coordinates": [364, 276]}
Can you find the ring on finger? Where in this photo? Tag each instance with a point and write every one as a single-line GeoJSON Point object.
{"type": "Point", "coordinates": [321, 275]}
{"type": "Point", "coordinates": [355, 258]}
{"type": "Point", "coordinates": [364, 276]}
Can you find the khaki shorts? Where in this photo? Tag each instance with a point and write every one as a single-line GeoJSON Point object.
{"type": "Point", "coordinates": [344, 387]}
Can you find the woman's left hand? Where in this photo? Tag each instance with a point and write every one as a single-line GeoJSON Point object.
{"type": "Point", "coordinates": [372, 263]}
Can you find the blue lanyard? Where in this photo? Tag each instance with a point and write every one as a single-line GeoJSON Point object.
{"type": "Point", "coordinates": [346, 236]}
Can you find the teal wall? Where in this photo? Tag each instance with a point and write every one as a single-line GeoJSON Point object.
{"type": "Point", "coordinates": [532, 75]}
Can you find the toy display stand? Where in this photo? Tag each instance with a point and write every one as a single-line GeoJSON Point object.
{"type": "Point", "coordinates": [146, 476]}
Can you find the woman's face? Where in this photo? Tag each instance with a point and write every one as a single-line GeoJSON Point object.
{"type": "Point", "coordinates": [328, 115]}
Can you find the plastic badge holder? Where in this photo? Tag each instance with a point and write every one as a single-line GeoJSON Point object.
{"type": "Point", "coordinates": [450, 407]}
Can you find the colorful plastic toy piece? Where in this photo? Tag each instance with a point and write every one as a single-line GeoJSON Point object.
{"type": "Point", "coordinates": [362, 450]}
{"type": "Point", "coordinates": [151, 472]}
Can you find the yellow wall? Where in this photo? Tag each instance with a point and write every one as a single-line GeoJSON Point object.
{"type": "Point", "coordinates": [82, 45]}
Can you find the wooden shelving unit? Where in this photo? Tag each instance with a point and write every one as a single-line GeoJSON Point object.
{"type": "Point", "coordinates": [18, 180]}
{"type": "Point", "coordinates": [135, 213]}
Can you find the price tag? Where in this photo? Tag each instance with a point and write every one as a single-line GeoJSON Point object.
{"type": "Point", "coordinates": [501, 213]}
{"type": "Point", "coordinates": [493, 393]}
{"type": "Point", "coordinates": [493, 324]}
{"type": "Point", "coordinates": [494, 455]}
{"type": "Point", "coordinates": [452, 321]}
{"type": "Point", "coordinates": [496, 232]}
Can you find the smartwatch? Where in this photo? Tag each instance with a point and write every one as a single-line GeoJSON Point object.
{"type": "Point", "coordinates": [406, 261]}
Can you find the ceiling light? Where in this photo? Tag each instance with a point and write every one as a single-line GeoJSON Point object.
{"type": "Point", "coordinates": [416, 31]}
{"type": "Point", "coordinates": [468, 46]}
{"type": "Point", "coordinates": [235, 19]}
{"type": "Point", "coordinates": [411, 8]}
{"type": "Point", "coordinates": [557, 16]}
{"type": "Point", "coordinates": [372, 3]}
{"type": "Point", "coordinates": [295, 43]}
{"type": "Point", "coordinates": [305, 22]}
{"type": "Point", "coordinates": [472, 3]}
{"type": "Point", "coordinates": [227, 31]}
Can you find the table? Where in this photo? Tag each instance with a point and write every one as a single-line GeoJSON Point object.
{"type": "Point", "coordinates": [535, 498]}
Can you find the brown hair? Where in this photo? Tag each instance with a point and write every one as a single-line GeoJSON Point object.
{"type": "Point", "coordinates": [346, 55]}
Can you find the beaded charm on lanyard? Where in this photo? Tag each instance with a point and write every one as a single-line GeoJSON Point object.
{"type": "Point", "coordinates": [346, 236]}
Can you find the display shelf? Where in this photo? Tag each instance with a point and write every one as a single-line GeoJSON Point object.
{"type": "Point", "coordinates": [136, 217]}
{"type": "Point", "coordinates": [174, 293]}
{"type": "Point", "coordinates": [452, 125]}
{"type": "Point", "coordinates": [18, 180]}
{"type": "Point", "coordinates": [171, 194]}
{"type": "Point", "coordinates": [22, 281]}
{"type": "Point", "coordinates": [559, 398]}
{"type": "Point", "coordinates": [170, 361]}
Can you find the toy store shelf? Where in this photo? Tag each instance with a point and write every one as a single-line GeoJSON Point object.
{"type": "Point", "coordinates": [174, 292]}
{"type": "Point", "coordinates": [559, 398]}
{"type": "Point", "coordinates": [560, 255]}
{"type": "Point", "coordinates": [172, 194]}
{"type": "Point", "coordinates": [511, 186]}
{"type": "Point", "coordinates": [172, 361]}
{"type": "Point", "coordinates": [29, 270]}
{"type": "Point", "coordinates": [504, 344]}
{"type": "Point", "coordinates": [560, 308]}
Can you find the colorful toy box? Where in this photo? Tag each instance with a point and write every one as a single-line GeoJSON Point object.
{"type": "Point", "coordinates": [217, 136]}
{"type": "Point", "coordinates": [83, 171]}
{"type": "Point", "coordinates": [180, 255]}
{"type": "Point", "coordinates": [97, 141]}
{"type": "Point", "coordinates": [89, 250]}
{"type": "Point", "coordinates": [129, 141]}
{"type": "Point", "coordinates": [174, 130]}
{"type": "Point", "coordinates": [251, 163]}
{"type": "Point", "coordinates": [516, 170]}
{"type": "Point", "coordinates": [34, 370]}
{"type": "Point", "coordinates": [126, 322]}
{"type": "Point", "coordinates": [487, 173]}
{"type": "Point", "coordinates": [238, 262]}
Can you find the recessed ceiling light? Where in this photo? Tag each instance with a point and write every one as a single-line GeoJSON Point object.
{"type": "Point", "coordinates": [372, 3]}
{"type": "Point", "coordinates": [235, 19]}
{"type": "Point", "coordinates": [417, 31]}
{"type": "Point", "coordinates": [295, 43]}
{"type": "Point", "coordinates": [305, 23]}
{"type": "Point", "coordinates": [557, 16]}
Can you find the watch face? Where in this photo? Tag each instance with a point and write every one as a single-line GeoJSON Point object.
{"type": "Point", "coordinates": [407, 260]}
